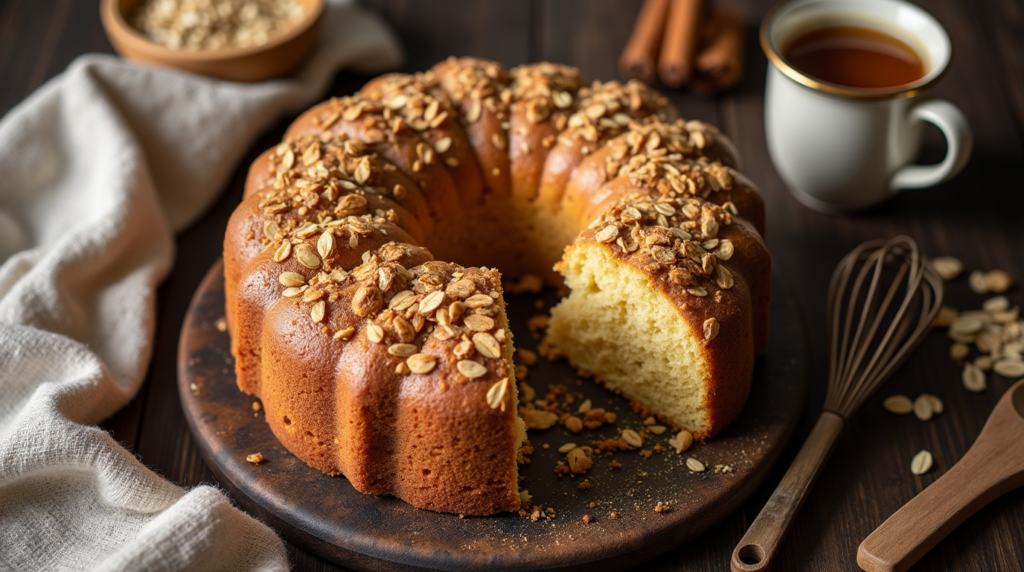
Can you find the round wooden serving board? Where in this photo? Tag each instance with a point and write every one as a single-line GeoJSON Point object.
{"type": "Point", "coordinates": [328, 517]}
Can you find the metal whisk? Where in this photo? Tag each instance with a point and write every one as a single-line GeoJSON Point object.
{"type": "Point", "coordinates": [882, 300]}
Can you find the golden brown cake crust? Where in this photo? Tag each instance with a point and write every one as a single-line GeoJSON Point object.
{"type": "Point", "coordinates": [374, 360]}
{"type": "Point", "coordinates": [601, 112]}
{"type": "Point", "coordinates": [474, 87]}
{"type": "Point", "coordinates": [368, 121]}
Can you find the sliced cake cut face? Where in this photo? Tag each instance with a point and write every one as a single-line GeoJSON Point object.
{"type": "Point", "coordinates": [618, 327]}
{"type": "Point", "coordinates": [657, 314]}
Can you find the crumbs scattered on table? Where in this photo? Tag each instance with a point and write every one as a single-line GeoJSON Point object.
{"type": "Point", "coordinates": [221, 324]}
{"type": "Point", "coordinates": [255, 458]}
{"type": "Point", "coordinates": [529, 283]}
{"type": "Point", "coordinates": [528, 357]}
{"type": "Point", "coordinates": [548, 351]}
{"type": "Point", "coordinates": [538, 323]}
{"type": "Point", "coordinates": [538, 512]}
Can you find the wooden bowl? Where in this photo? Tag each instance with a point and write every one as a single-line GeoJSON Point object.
{"type": "Point", "coordinates": [274, 58]}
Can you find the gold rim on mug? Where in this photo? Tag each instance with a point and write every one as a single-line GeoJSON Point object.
{"type": "Point", "coordinates": [905, 91]}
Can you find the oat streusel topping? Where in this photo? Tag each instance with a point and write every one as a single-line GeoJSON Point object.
{"type": "Point", "coordinates": [672, 236]}
{"type": "Point", "coordinates": [667, 158]}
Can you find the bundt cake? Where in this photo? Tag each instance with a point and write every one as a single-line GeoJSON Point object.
{"type": "Point", "coordinates": [378, 359]}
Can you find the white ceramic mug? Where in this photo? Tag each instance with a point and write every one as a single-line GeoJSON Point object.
{"type": "Point", "coordinates": [842, 149]}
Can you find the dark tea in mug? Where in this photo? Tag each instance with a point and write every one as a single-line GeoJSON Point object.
{"type": "Point", "coordinates": [855, 57]}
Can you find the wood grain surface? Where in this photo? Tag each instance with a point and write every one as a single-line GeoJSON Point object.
{"type": "Point", "coordinates": [993, 466]}
{"type": "Point", "coordinates": [978, 217]}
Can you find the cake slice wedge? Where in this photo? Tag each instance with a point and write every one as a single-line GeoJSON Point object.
{"type": "Point", "coordinates": [656, 314]}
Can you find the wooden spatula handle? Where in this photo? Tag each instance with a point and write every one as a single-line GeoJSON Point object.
{"type": "Point", "coordinates": [982, 475]}
{"type": "Point", "coordinates": [757, 548]}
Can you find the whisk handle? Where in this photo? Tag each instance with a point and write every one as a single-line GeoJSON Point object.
{"type": "Point", "coordinates": [758, 547]}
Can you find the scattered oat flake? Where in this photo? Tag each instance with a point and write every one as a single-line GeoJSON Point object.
{"type": "Point", "coordinates": [937, 406]}
{"type": "Point", "coordinates": [682, 441]}
{"type": "Point", "coordinates": [574, 424]}
{"type": "Point", "coordinates": [695, 465]}
{"type": "Point", "coordinates": [948, 267]}
{"type": "Point", "coordinates": [632, 438]}
{"type": "Point", "coordinates": [1009, 368]}
{"type": "Point", "coordinates": [923, 408]}
{"type": "Point", "coordinates": [898, 404]}
{"type": "Point", "coordinates": [998, 281]}
{"type": "Point", "coordinates": [944, 317]}
{"type": "Point", "coordinates": [978, 283]}
{"type": "Point", "coordinates": [959, 351]}
{"type": "Point", "coordinates": [973, 378]}
{"type": "Point", "coordinates": [996, 304]}
{"type": "Point", "coordinates": [921, 463]}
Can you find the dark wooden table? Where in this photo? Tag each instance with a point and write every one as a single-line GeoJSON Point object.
{"type": "Point", "coordinates": [979, 218]}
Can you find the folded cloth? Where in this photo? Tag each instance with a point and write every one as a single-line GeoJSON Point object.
{"type": "Point", "coordinates": [98, 169]}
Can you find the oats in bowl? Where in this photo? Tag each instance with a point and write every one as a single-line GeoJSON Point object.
{"type": "Point", "coordinates": [196, 25]}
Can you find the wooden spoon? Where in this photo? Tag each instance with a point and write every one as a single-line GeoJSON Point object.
{"type": "Point", "coordinates": [992, 467]}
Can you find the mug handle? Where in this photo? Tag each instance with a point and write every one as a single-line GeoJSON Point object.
{"type": "Point", "coordinates": [959, 142]}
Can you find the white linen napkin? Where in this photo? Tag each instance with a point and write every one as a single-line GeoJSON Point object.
{"type": "Point", "coordinates": [98, 169]}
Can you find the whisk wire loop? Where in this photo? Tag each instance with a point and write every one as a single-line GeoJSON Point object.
{"type": "Point", "coordinates": [879, 280]}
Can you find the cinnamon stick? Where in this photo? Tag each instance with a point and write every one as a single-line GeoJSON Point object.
{"type": "Point", "coordinates": [682, 29]}
{"type": "Point", "coordinates": [639, 58]}
{"type": "Point", "coordinates": [719, 63]}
